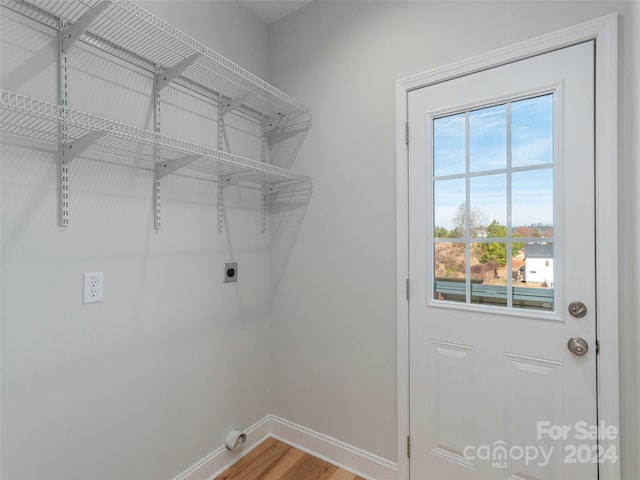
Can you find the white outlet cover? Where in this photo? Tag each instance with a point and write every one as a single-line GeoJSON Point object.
{"type": "Point", "coordinates": [93, 287]}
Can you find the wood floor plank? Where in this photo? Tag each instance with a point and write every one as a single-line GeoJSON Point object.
{"type": "Point", "coordinates": [275, 460]}
{"type": "Point", "coordinates": [284, 464]}
{"type": "Point", "coordinates": [310, 468]}
{"type": "Point", "coordinates": [343, 475]}
{"type": "Point", "coordinates": [254, 465]}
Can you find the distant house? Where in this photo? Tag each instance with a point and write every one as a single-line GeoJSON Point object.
{"type": "Point", "coordinates": [538, 258]}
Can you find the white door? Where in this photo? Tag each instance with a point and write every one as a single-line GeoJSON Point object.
{"type": "Point", "coordinates": [501, 233]}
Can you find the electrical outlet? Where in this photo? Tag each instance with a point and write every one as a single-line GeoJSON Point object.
{"type": "Point", "coordinates": [93, 287]}
{"type": "Point", "coordinates": [230, 272]}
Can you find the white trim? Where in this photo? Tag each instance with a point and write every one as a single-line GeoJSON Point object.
{"type": "Point", "coordinates": [336, 452]}
{"type": "Point", "coordinates": [402, 268]}
{"type": "Point", "coordinates": [605, 31]}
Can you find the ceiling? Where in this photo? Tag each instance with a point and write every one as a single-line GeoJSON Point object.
{"type": "Point", "coordinates": [271, 10]}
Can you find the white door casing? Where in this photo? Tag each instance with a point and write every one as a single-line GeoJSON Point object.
{"type": "Point", "coordinates": [603, 31]}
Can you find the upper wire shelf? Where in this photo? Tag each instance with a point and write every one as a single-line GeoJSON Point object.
{"type": "Point", "coordinates": [34, 118]}
{"type": "Point", "coordinates": [124, 29]}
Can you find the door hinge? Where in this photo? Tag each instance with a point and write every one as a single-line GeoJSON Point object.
{"type": "Point", "coordinates": [408, 446]}
{"type": "Point", "coordinates": [597, 347]}
{"type": "Point", "coordinates": [407, 288]}
{"type": "Point", "coordinates": [406, 133]}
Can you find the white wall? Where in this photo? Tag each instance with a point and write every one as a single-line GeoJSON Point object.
{"type": "Point", "coordinates": [230, 29]}
{"type": "Point", "coordinates": [147, 383]}
{"type": "Point", "coordinates": [334, 321]}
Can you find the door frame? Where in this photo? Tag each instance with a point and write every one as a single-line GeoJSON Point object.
{"type": "Point", "coordinates": [604, 30]}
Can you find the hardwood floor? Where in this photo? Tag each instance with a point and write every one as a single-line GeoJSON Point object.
{"type": "Point", "coordinates": [274, 460]}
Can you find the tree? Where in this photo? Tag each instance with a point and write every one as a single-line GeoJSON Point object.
{"type": "Point", "coordinates": [442, 232]}
{"type": "Point", "coordinates": [529, 232]}
{"type": "Point", "coordinates": [494, 254]}
{"type": "Point", "coordinates": [476, 220]}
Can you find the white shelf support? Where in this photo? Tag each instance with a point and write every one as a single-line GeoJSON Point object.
{"type": "Point", "coordinates": [265, 208]}
{"type": "Point", "coordinates": [172, 73]}
{"type": "Point", "coordinates": [157, 204]}
{"type": "Point", "coordinates": [233, 103]}
{"type": "Point", "coordinates": [75, 148]}
{"type": "Point", "coordinates": [72, 34]}
{"type": "Point", "coordinates": [167, 167]}
{"type": "Point", "coordinates": [220, 206]}
{"type": "Point", "coordinates": [63, 189]}
{"type": "Point", "coordinates": [63, 168]}
{"type": "Point", "coordinates": [263, 142]}
{"type": "Point", "coordinates": [157, 194]}
{"type": "Point", "coordinates": [220, 125]}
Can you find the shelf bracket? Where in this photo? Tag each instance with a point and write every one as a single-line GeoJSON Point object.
{"type": "Point", "coordinates": [230, 180]}
{"type": "Point", "coordinates": [278, 187]}
{"type": "Point", "coordinates": [275, 136]}
{"type": "Point", "coordinates": [281, 122]}
{"type": "Point", "coordinates": [233, 103]}
{"type": "Point", "coordinates": [75, 148]}
{"type": "Point", "coordinates": [167, 167]}
{"type": "Point", "coordinates": [167, 76]}
{"type": "Point", "coordinates": [285, 123]}
{"type": "Point", "coordinates": [75, 31]}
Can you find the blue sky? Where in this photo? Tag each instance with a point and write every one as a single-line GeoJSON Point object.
{"type": "Point", "coordinates": [531, 145]}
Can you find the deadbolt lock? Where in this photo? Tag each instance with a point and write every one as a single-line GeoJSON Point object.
{"type": "Point", "coordinates": [577, 309]}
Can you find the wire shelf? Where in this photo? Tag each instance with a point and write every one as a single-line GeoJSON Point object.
{"type": "Point", "coordinates": [34, 118]}
{"type": "Point", "coordinates": [125, 29]}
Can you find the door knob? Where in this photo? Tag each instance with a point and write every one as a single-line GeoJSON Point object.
{"type": "Point", "coordinates": [578, 346]}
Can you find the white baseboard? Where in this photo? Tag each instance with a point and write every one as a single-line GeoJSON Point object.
{"type": "Point", "coordinates": [336, 452]}
{"type": "Point", "coordinates": [221, 459]}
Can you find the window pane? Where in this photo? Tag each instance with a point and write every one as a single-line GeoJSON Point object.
{"type": "Point", "coordinates": [535, 278]}
{"type": "Point", "coordinates": [488, 138]}
{"type": "Point", "coordinates": [449, 145]}
{"type": "Point", "coordinates": [532, 131]}
{"type": "Point", "coordinates": [449, 201]}
{"type": "Point", "coordinates": [532, 200]}
{"type": "Point", "coordinates": [488, 273]}
{"type": "Point", "coordinates": [488, 203]}
{"type": "Point", "coordinates": [450, 272]}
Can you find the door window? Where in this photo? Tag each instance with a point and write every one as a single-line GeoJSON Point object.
{"type": "Point", "coordinates": [493, 204]}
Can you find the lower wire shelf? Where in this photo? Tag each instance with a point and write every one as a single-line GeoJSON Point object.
{"type": "Point", "coordinates": [78, 131]}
